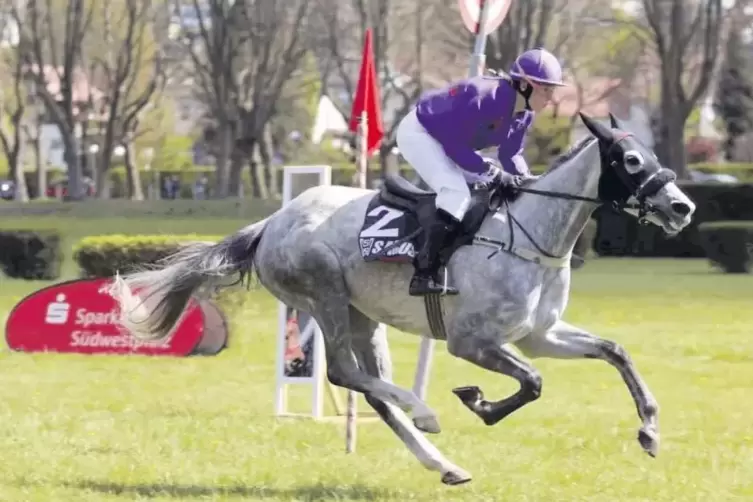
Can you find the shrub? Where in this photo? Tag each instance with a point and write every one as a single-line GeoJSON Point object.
{"type": "Point", "coordinates": [741, 170]}
{"type": "Point", "coordinates": [105, 255]}
{"type": "Point", "coordinates": [729, 244]}
{"type": "Point", "coordinates": [31, 254]}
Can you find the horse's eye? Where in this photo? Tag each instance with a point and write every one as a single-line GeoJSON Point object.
{"type": "Point", "coordinates": [633, 161]}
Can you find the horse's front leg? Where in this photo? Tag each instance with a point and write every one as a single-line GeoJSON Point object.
{"type": "Point", "coordinates": [489, 355]}
{"type": "Point", "coordinates": [565, 341]}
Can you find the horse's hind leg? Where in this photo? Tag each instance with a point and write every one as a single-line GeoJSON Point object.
{"type": "Point", "coordinates": [565, 341]}
{"type": "Point", "coordinates": [331, 310]}
{"type": "Point", "coordinates": [372, 351]}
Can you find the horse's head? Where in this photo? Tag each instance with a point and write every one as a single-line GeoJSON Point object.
{"type": "Point", "coordinates": [631, 173]}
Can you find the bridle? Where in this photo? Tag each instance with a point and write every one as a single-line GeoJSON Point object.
{"type": "Point", "coordinates": [638, 191]}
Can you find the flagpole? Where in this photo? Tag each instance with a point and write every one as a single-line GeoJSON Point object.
{"type": "Point", "coordinates": [363, 155]}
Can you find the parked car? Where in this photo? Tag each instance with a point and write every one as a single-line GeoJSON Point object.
{"type": "Point", "coordinates": [7, 190]}
{"type": "Point", "coordinates": [702, 177]}
{"type": "Point", "coordinates": [61, 185]}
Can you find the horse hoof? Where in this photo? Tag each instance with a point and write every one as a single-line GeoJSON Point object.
{"type": "Point", "coordinates": [649, 440]}
{"type": "Point", "coordinates": [456, 477]}
{"type": "Point", "coordinates": [469, 395]}
{"type": "Point", "coordinates": [428, 424]}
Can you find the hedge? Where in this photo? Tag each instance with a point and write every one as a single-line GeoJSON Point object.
{"type": "Point", "coordinates": [729, 244]}
{"type": "Point", "coordinates": [31, 254]}
{"type": "Point", "coordinates": [342, 174]}
{"type": "Point", "coordinates": [105, 255]}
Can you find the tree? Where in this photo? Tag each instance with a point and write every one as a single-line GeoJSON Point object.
{"type": "Point", "coordinates": [52, 35]}
{"type": "Point", "coordinates": [130, 69]}
{"type": "Point", "coordinates": [687, 36]}
{"type": "Point", "coordinates": [210, 45]}
{"type": "Point", "coordinates": [241, 55]}
{"type": "Point", "coordinates": [13, 98]}
{"type": "Point", "coordinates": [526, 26]}
{"type": "Point", "coordinates": [734, 94]}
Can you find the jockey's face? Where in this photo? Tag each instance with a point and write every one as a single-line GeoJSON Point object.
{"type": "Point", "coordinates": [541, 96]}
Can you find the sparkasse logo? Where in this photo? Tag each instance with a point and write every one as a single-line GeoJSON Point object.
{"type": "Point", "coordinates": [57, 311]}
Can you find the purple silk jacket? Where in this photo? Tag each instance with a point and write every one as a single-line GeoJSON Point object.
{"type": "Point", "coordinates": [474, 114]}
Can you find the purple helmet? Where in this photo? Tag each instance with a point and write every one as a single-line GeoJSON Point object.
{"type": "Point", "coordinates": [539, 66]}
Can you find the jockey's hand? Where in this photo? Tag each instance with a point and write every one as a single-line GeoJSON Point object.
{"type": "Point", "coordinates": [503, 182]}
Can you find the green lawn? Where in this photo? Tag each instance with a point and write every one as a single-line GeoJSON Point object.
{"type": "Point", "coordinates": [83, 428]}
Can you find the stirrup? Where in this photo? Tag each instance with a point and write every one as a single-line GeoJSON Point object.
{"type": "Point", "coordinates": [423, 285]}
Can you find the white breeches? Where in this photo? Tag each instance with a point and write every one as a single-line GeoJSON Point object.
{"type": "Point", "coordinates": [427, 157]}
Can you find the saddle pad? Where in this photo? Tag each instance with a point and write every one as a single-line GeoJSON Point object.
{"type": "Point", "coordinates": [388, 233]}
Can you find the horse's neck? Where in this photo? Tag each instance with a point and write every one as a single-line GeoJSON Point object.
{"type": "Point", "coordinates": [553, 223]}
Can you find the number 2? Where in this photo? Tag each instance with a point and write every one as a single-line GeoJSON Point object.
{"type": "Point", "coordinates": [377, 229]}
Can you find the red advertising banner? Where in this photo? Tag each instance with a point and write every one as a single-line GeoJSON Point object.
{"type": "Point", "coordinates": [80, 317]}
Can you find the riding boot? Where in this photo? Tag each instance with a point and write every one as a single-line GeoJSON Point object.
{"type": "Point", "coordinates": [426, 278]}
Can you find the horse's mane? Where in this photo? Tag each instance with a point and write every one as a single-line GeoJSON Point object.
{"type": "Point", "coordinates": [569, 154]}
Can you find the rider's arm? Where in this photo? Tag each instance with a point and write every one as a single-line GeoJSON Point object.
{"type": "Point", "coordinates": [513, 164]}
{"type": "Point", "coordinates": [510, 152]}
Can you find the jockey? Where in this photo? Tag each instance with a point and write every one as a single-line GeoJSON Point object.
{"type": "Point", "coordinates": [440, 137]}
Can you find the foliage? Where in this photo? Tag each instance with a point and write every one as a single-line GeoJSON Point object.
{"type": "Point", "coordinates": [729, 244]}
{"type": "Point", "coordinates": [297, 108]}
{"type": "Point", "coordinates": [734, 95]}
{"type": "Point", "coordinates": [106, 255]}
{"type": "Point", "coordinates": [31, 254]}
{"type": "Point", "coordinates": [549, 137]}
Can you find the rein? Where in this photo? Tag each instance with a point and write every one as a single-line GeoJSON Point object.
{"type": "Point", "coordinates": [644, 209]}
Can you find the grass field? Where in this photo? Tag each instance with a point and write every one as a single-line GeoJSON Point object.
{"type": "Point", "coordinates": [83, 428]}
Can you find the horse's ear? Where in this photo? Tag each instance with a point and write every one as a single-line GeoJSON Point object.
{"type": "Point", "coordinates": [614, 122]}
{"type": "Point", "coordinates": [597, 129]}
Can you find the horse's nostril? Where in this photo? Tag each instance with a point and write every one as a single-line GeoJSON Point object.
{"type": "Point", "coordinates": [681, 208]}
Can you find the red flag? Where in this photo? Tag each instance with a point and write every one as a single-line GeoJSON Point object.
{"type": "Point", "coordinates": [367, 98]}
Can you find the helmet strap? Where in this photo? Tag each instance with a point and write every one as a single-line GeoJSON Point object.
{"type": "Point", "coordinates": [525, 89]}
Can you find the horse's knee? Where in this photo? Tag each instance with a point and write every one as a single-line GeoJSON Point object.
{"type": "Point", "coordinates": [615, 353]}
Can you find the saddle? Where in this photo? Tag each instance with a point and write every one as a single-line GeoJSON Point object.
{"type": "Point", "coordinates": [393, 228]}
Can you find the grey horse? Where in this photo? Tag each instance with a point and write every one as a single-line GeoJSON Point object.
{"type": "Point", "coordinates": [307, 254]}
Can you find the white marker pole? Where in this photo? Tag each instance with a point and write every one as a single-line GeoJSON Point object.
{"type": "Point", "coordinates": [478, 59]}
{"type": "Point", "coordinates": [363, 163]}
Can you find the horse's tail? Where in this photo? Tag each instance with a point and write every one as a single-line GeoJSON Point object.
{"type": "Point", "coordinates": [152, 301]}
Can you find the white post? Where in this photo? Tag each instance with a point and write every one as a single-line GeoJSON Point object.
{"type": "Point", "coordinates": [478, 58]}
{"type": "Point", "coordinates": [363, 162]}
{"type": "Point", "coordinates": [309, 329]}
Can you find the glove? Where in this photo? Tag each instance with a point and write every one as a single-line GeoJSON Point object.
{"type": "Point", "coordinates": [503, 182]}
